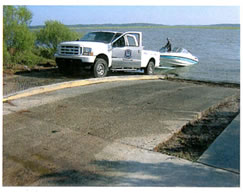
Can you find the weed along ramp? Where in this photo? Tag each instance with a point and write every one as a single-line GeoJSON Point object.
{"type": "Point", "coordinates": [195, 137]}
{"type": "Point", "coordinates": [104, 135]}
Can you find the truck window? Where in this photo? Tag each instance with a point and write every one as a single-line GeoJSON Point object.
{"type": "Point", "coordinates": [131, 41]}
{"type": "Point", "coordinates": [105, 37]}
{"type": "Point", "coordinates": [116, 36]}
{"type": "Point", "coordinates": [119, 43]}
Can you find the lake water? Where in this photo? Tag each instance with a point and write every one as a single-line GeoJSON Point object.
{"type": "Point", "coordinates": [218, 50]}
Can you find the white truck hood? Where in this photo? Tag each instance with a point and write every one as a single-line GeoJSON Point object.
{"type": "Point", "coordinates": [85, 44]}
{"type": "Point", "coordinates": [97, 47]}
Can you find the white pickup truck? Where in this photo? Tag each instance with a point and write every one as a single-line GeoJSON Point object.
{"type": "Point", "coordinates": [105, 50]}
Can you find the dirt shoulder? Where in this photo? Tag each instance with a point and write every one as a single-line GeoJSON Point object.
{"type": "Point", "coordinates": [22, 80]}
{"type": "Point", "coordinates": [194, 138]}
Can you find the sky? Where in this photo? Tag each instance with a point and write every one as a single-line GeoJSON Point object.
{"type": "Point", "coordinates": [168, 15]}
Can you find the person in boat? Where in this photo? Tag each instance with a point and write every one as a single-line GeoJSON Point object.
{"type": "Point", "coordinates": [167, 46]}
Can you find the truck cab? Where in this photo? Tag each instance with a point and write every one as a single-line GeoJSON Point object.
{"type": "Point", "coordinates": [105, 50]}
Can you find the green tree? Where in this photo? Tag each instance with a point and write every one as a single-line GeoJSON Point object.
{"type": "Point", "coordinates": [16, 34]}
{"type": "Point", "coordinates": [17, 38]}
{"type": "Point", "coordinates": [52, 34]}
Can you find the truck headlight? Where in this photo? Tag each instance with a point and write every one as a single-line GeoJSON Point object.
{"type": "Point", "coordinates": [87, 51]}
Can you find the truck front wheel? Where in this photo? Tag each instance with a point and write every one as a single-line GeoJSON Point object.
{"type": "Point", "coordinates": [149, 70]}
{"type": "Point", "coordinates": [100, 68]}
{"type": "Point", "coordinates": [62, 68]}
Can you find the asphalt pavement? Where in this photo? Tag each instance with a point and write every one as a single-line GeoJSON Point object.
{"type": "Point", "coordinates": [103, 135]}
{"type": "Point", "coordinates": [224, 153]}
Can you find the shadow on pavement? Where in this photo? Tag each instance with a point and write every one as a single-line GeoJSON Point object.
{"type": "Point", "coordinates": [133, 173]}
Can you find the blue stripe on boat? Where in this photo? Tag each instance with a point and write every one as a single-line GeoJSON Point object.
{"type": "Point", "coordinates": [180, 58]}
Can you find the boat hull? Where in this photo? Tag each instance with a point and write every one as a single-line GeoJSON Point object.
{"type": "Point", "coordinates": [177, 60]}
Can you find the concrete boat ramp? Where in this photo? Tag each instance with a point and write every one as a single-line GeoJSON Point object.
{"type": "Point", "coordinates": [103, 134]}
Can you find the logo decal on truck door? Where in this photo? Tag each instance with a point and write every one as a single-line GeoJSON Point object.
{"type": "Point", "coordinates": [128, 53]}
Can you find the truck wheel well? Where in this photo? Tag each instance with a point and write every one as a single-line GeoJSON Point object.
{"type": "Point", "coordinates": [151, 59]}
{"type": "Point", "coordinates": [103, 56]}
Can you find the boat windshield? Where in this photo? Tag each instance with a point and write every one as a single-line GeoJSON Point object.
{"type": "Point", "coordinates": [175, 50]}
{"type": "Point", "coordinates": [179, 50]}
{"type": "Point", "coordinates": [105, 37]}
{"type": "Point", "coordinates": [162, 50]}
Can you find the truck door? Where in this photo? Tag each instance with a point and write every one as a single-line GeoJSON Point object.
{"type": "Point", "coordinates": [126, 52]}
{"type": "Point", "coordinates": [118, 51]}
{"type": "Point", "coordinates": [134, 51]}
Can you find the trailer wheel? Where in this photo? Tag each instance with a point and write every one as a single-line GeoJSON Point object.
{"type": "Point", "coordinates": [100, 68]}
{"type": "Point", "coordinates": [149, 70]}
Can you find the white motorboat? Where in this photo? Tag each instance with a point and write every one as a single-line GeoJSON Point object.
{"type": "Point", "coordinates": [176, 57]}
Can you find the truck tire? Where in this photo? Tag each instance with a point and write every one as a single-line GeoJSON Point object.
{"type": "Point", "coordinates": [100, 68]}
{"type": "Point", "coordinates": [149, 70]}
{"type": "Point", "coordinates": [61, 67]}
{"type": "Point", "coordinates": [65, 69]}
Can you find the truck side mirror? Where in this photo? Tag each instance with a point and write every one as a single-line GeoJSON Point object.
{"type": "Point", "coordinates": [110, 45]}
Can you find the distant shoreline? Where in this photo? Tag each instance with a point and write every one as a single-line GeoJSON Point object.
{"type": "Point", "coordinates": [142, 26]}
{"type": "Point", "coordinates": [147, 27]}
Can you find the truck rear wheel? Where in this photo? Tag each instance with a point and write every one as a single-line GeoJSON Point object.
{"type": "Point", "coordinates": [149, 70]}
{"type": "Point", "coordinates": [100, 68]}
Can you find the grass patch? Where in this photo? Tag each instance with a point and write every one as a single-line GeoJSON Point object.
{"type": "Point", "coordinates": [12, 69]}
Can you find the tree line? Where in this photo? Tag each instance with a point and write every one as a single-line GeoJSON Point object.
{"type": "Point", "coordinates": [27, 47]}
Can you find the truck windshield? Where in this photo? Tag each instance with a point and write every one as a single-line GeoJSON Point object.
{"type": "Point", "coordinates": [105, 37]}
